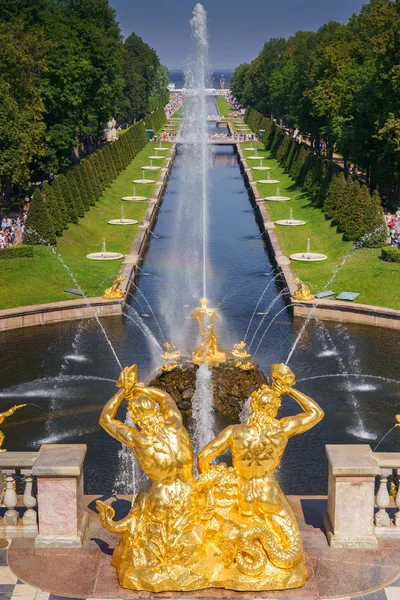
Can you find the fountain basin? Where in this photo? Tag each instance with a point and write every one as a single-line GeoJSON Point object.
{"type": "Point", "coordinates": [143, 181]}
{"type": "Point", "coordinates": [290, 222]}
{"type": "Point", "coordinates": [122, 222]}
{"type": "Point", "coordinates": [161, 148]}
{"type": "Point", "coordinates": [251, 149]}
{"type": "Point", "coordinates": [268, 181]}
{"type": "Point", "coordinates": [134, 198]}
{"type": "Point", "coordinates": [261, 168]}
{"type": "Point", "coordinates": [308, 257]}
{"type": "Point", "coordinates": [156, 157]}
{"type": "Point", "coordinates": [253, 157]}
{"type": "Point", "coordinates": [277, 198]}
{"type": "Point", "coordinates": [152, 168]}
{"type": "Point", "coordinates": [105, 256]}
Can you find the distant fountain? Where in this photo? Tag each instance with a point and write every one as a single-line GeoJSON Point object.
{"type": "Point", "coordinates": [135, 197]}
{"type": "Point", "coordinates": [291, 221]}
{"type": "Point", "coordinates": [122, 220]}
{"type": "Point", "coordinates": [104, 254]}
{"type": "Point", "coordinates": [308, 256]}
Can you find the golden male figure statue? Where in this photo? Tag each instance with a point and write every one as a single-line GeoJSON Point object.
{"type": "Point", "coordinates": [115, 291]}
{"type": "Point", "coordinates": [268, 547]}
{"type": "Point", "coordinates": [207, 351]}
{"type": "Point", "coordinates": [3, 417]}
{"type": "Point", "coordinates": [159, 541]}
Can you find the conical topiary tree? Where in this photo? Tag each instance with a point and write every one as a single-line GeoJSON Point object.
{"type": "Point", "coordinates": [38, 226]}
{"type": "Point", "coordinates": [52, 209]}
{"type": "Point", "coordinates": [352, 225]}
{"type": "Point", "coordinates": [76, 198]}
{"type": "Point", "coordinates": [57, 193]}
{"type": "Point", "coordinates": [68, 199]}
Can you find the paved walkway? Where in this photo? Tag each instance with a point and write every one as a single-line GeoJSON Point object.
{"type": "Point", "coordinates": [87, 572]}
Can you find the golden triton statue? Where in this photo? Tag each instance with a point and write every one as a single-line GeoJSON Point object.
{"type": "Point", "coordinates": [239, 350]}
{"type": "Point", "coordinates": [3, 417]}
{"type": "Point", "coordinates": [115, 291]}
{"type": "Point", "coordinates": [207, 351]}
{"type": "Point", "coordinates": [171, 353]}
{"type": "Point", "coordinates": [303, 291]}
{"type": "Point", "coordinates": [232, 528]}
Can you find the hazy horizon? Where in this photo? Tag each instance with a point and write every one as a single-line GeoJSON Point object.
{"type": "Point", "coordinates": [236, 35]}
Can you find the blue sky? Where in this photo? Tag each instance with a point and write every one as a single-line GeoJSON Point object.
{"type": "Point", "coordinates": [237, 30]}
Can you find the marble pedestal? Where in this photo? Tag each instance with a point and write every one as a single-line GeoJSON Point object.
{"type": "Point", "coordinates": [62, 518]}
{"type": "Point", "coordinates": [349, 522]}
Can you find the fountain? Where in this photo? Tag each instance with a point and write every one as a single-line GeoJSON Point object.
{"type": "Point", "coordinates": [255, 157]}
{"type": "Point", "coordinates": [308, 256]}
{"type": "Point", "coordinates": [151, 167]}
{"type": "Point", "coordinates": [291, 221]}
{"type": "Point", "coordinates": [161, 148]}
{"type": "Point", "coordinates": [261, 167]}
{"type": "Point", "coordinates": [278, 197]}
{"type": "Point", "coordinates": [143, 180]}
{"type": "Point", "coordinates": [122, 220]}
{"type": "Point", "coordinates": [134, 198]}
{"type": "Point", "coordinates": [104, 254]}
{"type": "Point", "coordinates": [269, 180]}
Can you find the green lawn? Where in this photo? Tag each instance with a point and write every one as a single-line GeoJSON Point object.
{"type": "Point", "coordinates": [377, 282]}
{"type": "Point", "coordinates": [223, 107]}
{"type": "Point", "coordinates": [43, 278]}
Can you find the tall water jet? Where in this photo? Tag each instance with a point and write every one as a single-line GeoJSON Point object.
{"type": "Point", "coordinates": [188, 281]}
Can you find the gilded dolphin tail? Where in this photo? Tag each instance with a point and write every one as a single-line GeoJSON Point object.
{"type": "Point", "coordinates": [107, 514]}
{"type": "Point", "coordinates": [258, 545]}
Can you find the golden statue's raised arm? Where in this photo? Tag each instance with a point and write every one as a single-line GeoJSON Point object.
{"type": "Point", "coordinates": [118, 430]}
{"type": "Point", "coordinates": [304, 421]}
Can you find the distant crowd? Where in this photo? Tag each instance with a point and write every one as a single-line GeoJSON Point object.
{"type": "Point", "coordinates": [235, 105]}
{"type": "Point", "coordinates": [393, 222]}
{"type": "Point", "coordinates": [176, 100]}
{"type": "Point", "coordinates": [12, 230]}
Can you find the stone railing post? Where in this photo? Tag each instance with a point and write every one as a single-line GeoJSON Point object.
{"type": "Point", "coordinates": [349, 522]}
{"type": "Point", "coordinates": [59, 472]}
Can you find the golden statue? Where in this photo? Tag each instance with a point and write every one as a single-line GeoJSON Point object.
{"type": "Point", "coordinates": [303, 291]}
{"type": "Point", "coordinates": [232, 528]}
{"type": "Point", "coordinates": [168, 367]}
{"type": "Point", "coordinates": [115, 291]}
{"type": "Point", "coordinates": [3, 417]}
{"type": "Point", "coordinates": [239, 350]}
{"type": "Point", "coordinates": [245, 366]}
{"type": "Point", "coordinates": [207, 351]}
{"type": "Point", "coordinates": [171, 353]}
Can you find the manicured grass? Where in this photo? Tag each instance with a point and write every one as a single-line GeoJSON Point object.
{"type": "Point", "coordinates": [223, 107]}
{"type": "Point", "coordinates": [377, 282]}
{"type": "Point", "coordinates": [43, 278]}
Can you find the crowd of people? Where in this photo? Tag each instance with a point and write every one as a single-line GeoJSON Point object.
{"type": "Point", "coordinates": [393, 223]}
{"type": "Point", "coordinates": [176, 100]}
{"type": "Point", "coordinates": [12, 230]}
{"type": "Point", "coordinates": [235, 105]}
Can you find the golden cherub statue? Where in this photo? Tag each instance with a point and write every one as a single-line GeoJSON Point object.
{"type": "Point", "coordinates": [171, 353]}
{"type": "Point", "coordinates": [207, 351]}
{"type": "Point", "coordinates": [3, 417]}
{"type": "Point", "coordinates": [303, 291]}
{"type": "Point", "coordinates": [239, 350]}
{"type": "Point", "coordinates": [233, 528]}
{"type": "Point", "coordinates": [115, 291]}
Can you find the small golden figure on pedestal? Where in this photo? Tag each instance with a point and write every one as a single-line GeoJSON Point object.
{"type": "Point", "coordinates": [303, 291]}
{"type": "Point", "coordinates": [245, 366]}
{"type": "Point", "coordinates": [115, 291]}
{"type": "Point", "coordinates": [207, 352]}
{"type": "Point", "coordinates": [239, 350]}
{"type": "Point", "coordinates": [3, 417]}
{"type": "Point", "coordinates": [171, 353]}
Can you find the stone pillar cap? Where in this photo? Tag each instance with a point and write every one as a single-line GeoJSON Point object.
{"type": "Point", "coordinates": [60, 460]}
{"type": "Point", "coordinates": [17, 460]}
{"type": "Point", "coordinates": [353, 460]}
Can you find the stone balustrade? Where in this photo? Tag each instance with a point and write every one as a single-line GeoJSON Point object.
{"type": "Point", "coordinates": [57, 469]}
{"type": "Point", "coordinates": [357, 517]}
{"type": "Point", "coordinates": [20, 518]}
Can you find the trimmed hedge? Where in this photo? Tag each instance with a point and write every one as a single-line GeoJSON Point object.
{"type": "Point", "coordinates": [345, 200]}
{"type": "Point", "coordinates": [16, 252]}
{"type": "Point", "coordinates": [158, 101]}
{"type": "Point", "coordinates": [391, 254]}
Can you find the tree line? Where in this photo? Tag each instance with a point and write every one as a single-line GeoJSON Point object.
{"type": "Point", "coordinates": [340, 86]}
{"type": "Point", "coordinates": [54, 206]}
{"type": "Point", "coordinates": [356, 212]}
{"type": "Point", "coordinates": [64, 71]}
